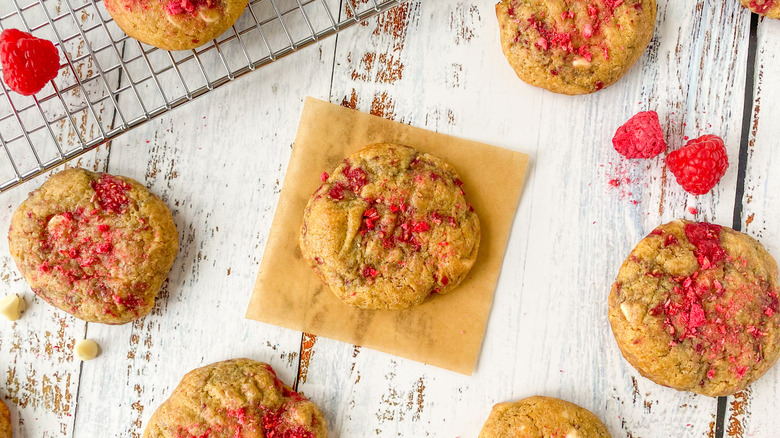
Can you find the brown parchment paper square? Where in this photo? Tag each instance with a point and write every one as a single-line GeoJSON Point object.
{"type": "Point", "coordinates": [446, 331]}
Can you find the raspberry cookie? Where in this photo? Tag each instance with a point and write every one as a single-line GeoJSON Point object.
{"type": "Point", "coordinates": [542, 417]}
{"type": "Point", "coordinates": [94, 245]}
{"type": "Point", "coordinates": [235, 398]}
{"type": "Point", "coordinates": [5, 421]}
{"type": "Point", "coordinates": [390, 227]}
{"type": "Point", "coordinates": [574, 46]}
{"type": "Point", "coordinates": [769, 8]}
{"type": "Point", "coordinates": [175, 24]}
{"type": "Point", "coordinates": [695, 308]}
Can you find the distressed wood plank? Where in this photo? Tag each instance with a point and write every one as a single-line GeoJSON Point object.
{"type": "Point", "coordinates": [752, 413]}
{"type": "Point", "coordinates": [41, 376]}
{"type": "Point", "coordinates": [439, 65]}
{"type": "Point", "coordinates": [218, 164]}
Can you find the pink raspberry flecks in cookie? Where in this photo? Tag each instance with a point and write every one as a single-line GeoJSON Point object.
{"type": "Point", "coordinates": [761, 6]}
{"type": "Point", "coordinates": [640, 137]}
{"type": "Point", "coordinates": [177, 7]}
{"type": "Point", "coordinates": [700, 164]}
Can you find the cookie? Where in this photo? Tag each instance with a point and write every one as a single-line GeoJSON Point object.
{"type": "Point", "coordinates": [542, 417]}
{"type": "Point", "coordinates": [574, 46]}
{"type": "Point", "coordinates": [5, 421]}
{"type": "Point", "coordinates": [768, 8]}
{"type": "Point", "coordinates": [175, 24]}
{"type": "Point", "coordinates": [235, 398]}
{"type": "Point", "coordinates": [695, 308]}
{"type": "Point", "coordinates": [390, 227]}
{"type": "Point", "coordinates": [94, 245]}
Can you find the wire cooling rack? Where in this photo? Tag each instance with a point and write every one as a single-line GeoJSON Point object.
{"type": "Point", "coordinates": [109, 83]}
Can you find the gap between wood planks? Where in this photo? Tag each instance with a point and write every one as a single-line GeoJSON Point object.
{"type": "Point", "coordinates": [744, 144]}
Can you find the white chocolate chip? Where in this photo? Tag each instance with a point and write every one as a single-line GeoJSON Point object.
{"type": "Point", "coordinates": [86, 349]}
{"type": "Point", "coordinates": [209, 15]}
{"type": "Point", "coordinates": [173, 20]}
{"type": "Point", "coordinates": [580, 63]}
{"type": "Point", "coordinates": [572, 434]}
{"type": "Point", "coordinates": [627, 311]}
{"type": "Point", "coordinates": [12, 306]}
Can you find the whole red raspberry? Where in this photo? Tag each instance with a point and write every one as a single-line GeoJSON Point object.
{"type": "Point", "coordinates": [700, 164]}
{"type": "Point", "coordinates": [28, 62]}
{"type": "Point", "coordinates": [640, 137]}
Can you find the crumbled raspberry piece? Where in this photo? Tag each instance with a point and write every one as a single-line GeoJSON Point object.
{"type": "Point", "coordinates": [28, 62]}
{"type": "Point", "coordinates": [761, 6]}
{"type": "Point", "coordinates": [419, 227]}
{"type": "Point", "coordinates": [337, 192]}
{"type": "Point", "coordinates": [640, 137]}
{"type": "Point", "coordinates": [324, 177]}
{"type": "Point", "coordinates": [368, 271]}
{"type": "Point", "coordinates": [370, 217]}
{"type": "Point", "coordinates": [177, 7]}
{"type": "Point", "coordinates": [111, 193]}
{"type": "Point", "coordinates": [705, 238]}
{"type": "Point", "coordinates": [445, 280]}
{"type": "Point", "coordinates": [700, 164]}
{"type": "Point", "coordinates": [357, 177]}
{"type": "Point", "coordinates": [696, 317]}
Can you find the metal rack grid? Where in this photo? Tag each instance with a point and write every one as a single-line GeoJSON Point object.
{"type": "Point", "coordinates": [110, 83]}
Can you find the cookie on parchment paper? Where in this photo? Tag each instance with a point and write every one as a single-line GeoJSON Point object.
{"type": "Point", "coordinates": [389, 228]}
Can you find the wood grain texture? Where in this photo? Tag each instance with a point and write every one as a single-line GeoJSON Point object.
{"type": "Point", "coordinates": [218, 163]}
{"type": "Point", "coordinates": [218, 166]}
{"type": "Point", "coordinates": [751, 413]}
{"type": "Point", "coordinates": [548, 332]}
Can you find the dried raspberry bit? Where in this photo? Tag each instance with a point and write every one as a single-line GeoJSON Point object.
{"type": "Point", "coordinates": [274, 426]}
{"type": "Point", "coordinates": [700, 164]}
{"type": "Point", "coordinates": [761, 6]}
{"type": "Point", "coordinates": [357, 177]}
{"type": "Point", "coordinates": [28, 62]}
{"type": "Point", "coordinates": [324, 177]}
{"type": "Point", "coordinates": [420, 227]}
{"type": "Point", "coordinates": [337, 192]}
{"type": "Point", "coordinates": [111, 193]}
{"type": "Point", "coordinates": [178, 7]}
{"type": "Point", "coordinates": [369, 272]}
{"type": "Point", "coordinates": [670, 240]}
{"type": "Point", "coordinates": [640, 137]}
{"type": "Point", "coordinates": [706, 240]}
{"type": "Point", "coordinates": [444, 280]}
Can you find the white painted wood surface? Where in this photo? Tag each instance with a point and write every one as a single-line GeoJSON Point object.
{"type": "Point", "coordinates": [218, 163]}
{"type": "Point", "coordinates": [751, 413]}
